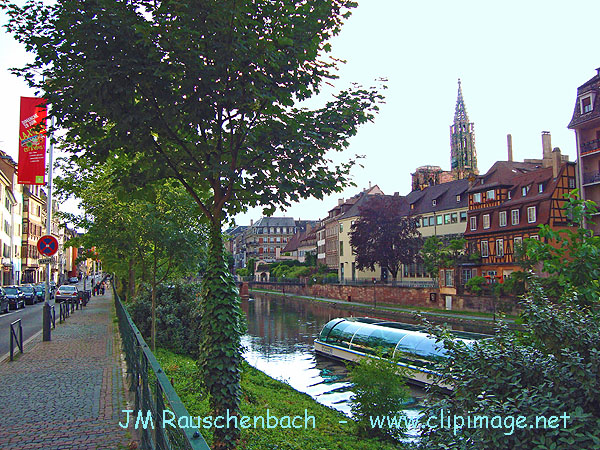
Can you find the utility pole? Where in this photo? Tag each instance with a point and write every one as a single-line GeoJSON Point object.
{"type": "Point", "coordinates": [46, 309]}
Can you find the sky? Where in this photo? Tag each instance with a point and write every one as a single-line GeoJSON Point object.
{"type": "Point", "coordinates": [520, 63]}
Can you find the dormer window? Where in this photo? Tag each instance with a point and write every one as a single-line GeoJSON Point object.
{"type": "Point", "coordinates": [540, 188]}
{"type": "Point", "coordinates": [509, 195]}
{"type": "Point", "coordinates": [586, 102]}
{"type": "Point", "coordinates": [458, 198]}
{"type": "Point", "coordinates": [524, 190]}
{"type": "Point", "coordinates": [433, 202]}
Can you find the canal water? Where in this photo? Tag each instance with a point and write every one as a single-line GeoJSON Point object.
{"type": "Point", "coordinates": [279, 342]}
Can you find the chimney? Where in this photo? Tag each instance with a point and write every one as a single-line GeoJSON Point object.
{"type": "Point", "coordinates": [369, 185]}
{"type": "Point", "coordinates": [340, 202]}
{"type": "Point", "coordinates": [251, 222]}
{"type": "Point", "coordinates": [556, 160]}
{"type": "Point", "coordinates": [546, 149]}
{"type": "Point", "coordinates": [509, 144]}
{"type": "Point", "coordinates": [396, 194]}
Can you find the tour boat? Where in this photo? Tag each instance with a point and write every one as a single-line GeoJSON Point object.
{"type": "Point", "coordinates": [411, 346]}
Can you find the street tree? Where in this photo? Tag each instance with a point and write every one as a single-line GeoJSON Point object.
{"type": "Point", "coordinates": [384, 235]}
{"type": "Point", "coordinates": [159, 233]}
{"type": "Point", "coordinates": [438, 254]}
{"type": "Point", "coordinates": [206, 93]}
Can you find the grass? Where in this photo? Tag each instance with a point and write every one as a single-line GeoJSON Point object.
{"type": "Point", "coordinates": [261, 392]}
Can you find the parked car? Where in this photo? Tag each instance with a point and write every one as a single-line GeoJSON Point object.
{"type": "Point", "coordinates": [15, 297]}
{"type": "Point", "coordinates": [40, 291]}
{"type": "Point", "coordinates": [66, 292]}
{"type": "Point", "coordinates": [29, 294]}
{"type": "Point", "coordinates": [4, 303]}
{"type": "Point", "coordinates": [73, 280]}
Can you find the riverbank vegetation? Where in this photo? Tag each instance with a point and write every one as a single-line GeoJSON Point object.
{"type": "Point", "coordinates": [260, 393]}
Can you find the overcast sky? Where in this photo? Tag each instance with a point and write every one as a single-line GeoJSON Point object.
{"type": "Point", "coordinates": [520, 63]}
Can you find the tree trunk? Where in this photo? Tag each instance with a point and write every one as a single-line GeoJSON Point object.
{"type": "Point", "coordinates": [131, 284]}
{"type": "Point", "coordinates": [220, 350]}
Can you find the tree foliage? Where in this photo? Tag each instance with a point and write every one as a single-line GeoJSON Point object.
{"type": "Point", "coordinates": [384, 235]}
{"type": "Point", "coordinates": [203, 92]}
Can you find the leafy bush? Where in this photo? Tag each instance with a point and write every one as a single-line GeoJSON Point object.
{"type": "Point", "coordinates": [177, 316]}
{"type": "Point", "coordinates": [243, 272]}
{"type": "Point", "coordinates": [475, 285]}
{"type": "Point", "coordinates": [379, 390]}
{"type": "Point", "coordinates": [550, 368]}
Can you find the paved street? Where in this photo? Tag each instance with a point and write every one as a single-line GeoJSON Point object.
{"type": "Point", "coordinates": [67, 393]}
{"type": "Point", "coordinates": [31, 320]}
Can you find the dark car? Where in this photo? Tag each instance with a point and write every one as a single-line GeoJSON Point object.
{"type": "Point", "coordinates": [4, 304]}
{"type": "Point", "coordinates": [15, 297]}
{"type": "Point", "coordinates": [73, 280]}
{"type": "Point", "coordinates": [40, 291]}
{"type": "Point", "coordinates": [66, 292]}
{"type": "Point", "coordinates": [29, 294]}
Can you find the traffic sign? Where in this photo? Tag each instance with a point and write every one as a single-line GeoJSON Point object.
{"type": "Point", "coordinates": [47, 245]}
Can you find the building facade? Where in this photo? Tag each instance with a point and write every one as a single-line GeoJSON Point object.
{"type": "Point", "coordinates": [586, 124]}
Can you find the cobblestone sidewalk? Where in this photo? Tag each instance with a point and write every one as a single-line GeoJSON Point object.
{"type": "Point", "coordinates": [67, 393]}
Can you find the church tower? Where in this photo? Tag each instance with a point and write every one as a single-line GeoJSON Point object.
{"type": "Point", "coordinates": [463, 157]}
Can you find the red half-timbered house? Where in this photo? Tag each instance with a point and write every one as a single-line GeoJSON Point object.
{"type": "Point", "coordinates": [507, 204]}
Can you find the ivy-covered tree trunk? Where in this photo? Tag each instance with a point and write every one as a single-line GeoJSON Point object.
{"type": "Point", "coordinates": [220, 350]}
{"type": "Point", "coordinates": [131, 283]}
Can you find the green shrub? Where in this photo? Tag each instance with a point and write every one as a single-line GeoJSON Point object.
{"type": "Point", "coordinates": [177, 316]}
{"type": "Point", "coordinates": [475, 285]}
{"type": "Point", "coordinates": [379, 390]}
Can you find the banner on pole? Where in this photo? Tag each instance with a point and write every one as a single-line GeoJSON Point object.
{"type": "Point", "coordinates": [32, 141]}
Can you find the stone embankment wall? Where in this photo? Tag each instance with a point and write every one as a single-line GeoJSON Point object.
{"type": "Point", "coordinates": [395, 295]}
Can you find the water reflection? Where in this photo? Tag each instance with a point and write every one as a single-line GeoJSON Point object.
{"type": "Point", "coordinates": [279, 342]}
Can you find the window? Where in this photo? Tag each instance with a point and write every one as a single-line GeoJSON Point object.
{"type": "Point", "coordinates": [473, 223]}
{"type": "Point", "coordinates": [463, 216]}
{"type": "Point", "coordinates": [491, 194]}
{"type": "Point", "coordinates": [517, 241]}
{"type": "Point", "coordinates": [439, 220]}
{"type": "Point", "coordinates": [453, 217]}
{"type": "Point", "coordinates": [341, 248]}
{"type": "Point", "coordinates": [586, 104]}
{"type": "Point", "coordinates": [486, 221]}
{"type": "Point", "coordinates": [446, 219]}
{"type": "Point", "coordinates": [515, 216]}
{"type": "Point", "coordinates": [540, 188]}
{"type": "Point", "coordinates": [485, 251]}
{"type": "Point", "coordinates": [571, 183]}
{"type": "Point", "coordinates": [535, 236]}
{"type": "Point", "coordinates": [433, 202]}
{"type": "Point", "coordinates": [458, 199]}
{"type": "Point", "coordinates": [449, 277]}
{"type": "Point", "coordinates": [502, 218]}
{"type": "Point", "coordinates": [467, 274]}
{"type": "Point", "coordinates": [499, 248]}
{"type": "Point", "coordinates": [477, 198]}
{"type": "Point", "coordinates": [531, 214]}
{"type": "Point", "coordinates": [341, 227]}
{"type": "Point", "coordinates": [524, 190]}
{"type": "Point", "coordinates": [431, 221]}
{"type": "Point", "coordinates": [509, 195]}
{"type": "Point", "coordinates": [425, 221]}
{"type": "Point", "coordinates": [278, 239]}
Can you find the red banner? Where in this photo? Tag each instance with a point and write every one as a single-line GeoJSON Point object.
{"type": "Point", "coordinates": [32, 141]}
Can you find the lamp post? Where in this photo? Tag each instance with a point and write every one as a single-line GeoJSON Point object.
{"type": "Point", "coordinates": [374, 294]}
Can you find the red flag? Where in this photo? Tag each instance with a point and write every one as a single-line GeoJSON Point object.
{"type": "Point", "coordinates": [32, 141]}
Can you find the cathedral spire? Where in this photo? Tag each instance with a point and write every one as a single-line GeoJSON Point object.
{"type": "Point", "coordinates": [460, 113]}
{"type": "Point", "coordinates": [463, 157]}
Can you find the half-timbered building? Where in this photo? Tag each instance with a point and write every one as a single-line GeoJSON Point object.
{"type": "Point", "coordinates": [507, 205]}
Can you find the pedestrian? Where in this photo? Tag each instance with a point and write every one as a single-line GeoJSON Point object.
{"type": "Point", "coordinates": [102, 289]}
{"type": "Point", "coordinates": [97, 288]}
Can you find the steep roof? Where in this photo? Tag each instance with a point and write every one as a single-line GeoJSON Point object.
{"type": "Point", "coordinates": [444, 194]}
{"type": "Point", "coordinates": [501, 174]}
{"type": "Point", "coordinates": [275, 222]}
{"type": "Point", "coordinates": [591, 86]}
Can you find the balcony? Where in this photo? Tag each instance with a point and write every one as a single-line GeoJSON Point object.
{"type": "Point", "coordinates": [591, 178]}
{"type": "Point", "coordinates": [590, 147]}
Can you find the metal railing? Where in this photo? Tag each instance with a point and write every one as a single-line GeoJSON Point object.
{"type": "Point", "coordinates": [14, 337]}
{"type": "Point", "coordinates": [52, 313]}
{"type": "Point", "coordinates": [153, 391]}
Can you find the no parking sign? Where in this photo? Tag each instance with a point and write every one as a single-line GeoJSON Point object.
{"type": "Point", "coordinates": [47, 245]}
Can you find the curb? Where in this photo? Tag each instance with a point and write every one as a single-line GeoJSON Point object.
{"type": "Point", "coordinates": [5, 359]}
